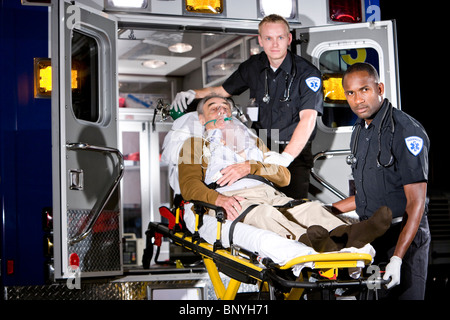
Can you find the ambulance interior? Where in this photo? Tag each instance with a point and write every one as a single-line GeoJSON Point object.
{"type": "Point", "coordinates": [154, 65]}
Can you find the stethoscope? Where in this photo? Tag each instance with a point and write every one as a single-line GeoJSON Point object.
{"type": "Point", "coordinates": [287, 90]}
{"type": "Point", "coordinates": [351, 159]}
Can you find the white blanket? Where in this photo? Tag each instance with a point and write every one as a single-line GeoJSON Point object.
{"type": "Point", "coordinates": [183, 128]}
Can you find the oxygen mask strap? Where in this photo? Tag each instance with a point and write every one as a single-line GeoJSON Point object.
{"type": "Point", "coordinates": [215, 120]}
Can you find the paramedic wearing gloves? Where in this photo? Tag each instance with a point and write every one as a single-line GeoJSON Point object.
{"type": "Point", "coordinates": [390, 167]}
{"type": "Point", "coordinates": [288, 92]}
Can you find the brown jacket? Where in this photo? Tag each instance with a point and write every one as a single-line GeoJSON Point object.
{"type": "Point", "coordinates": [192, 169]}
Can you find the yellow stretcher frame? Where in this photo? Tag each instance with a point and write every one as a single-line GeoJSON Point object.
{"type": "Point", "coordinates": [240, 267]}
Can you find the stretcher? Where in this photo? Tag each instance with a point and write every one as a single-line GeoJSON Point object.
{"type": "Point", "coordinates": [281, 268]}
{"type": "Point", "coordinates": [318, 274]}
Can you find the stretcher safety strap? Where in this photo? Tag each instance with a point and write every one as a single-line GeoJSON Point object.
{"type": "Point", "coordinates": [241, 217]}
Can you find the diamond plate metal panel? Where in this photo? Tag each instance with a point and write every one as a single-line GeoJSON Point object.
{"type": "Point", "coordinates": [99, 291]}
{"type": "Point", "coordinates": [88, 291]}
{"type": "Point", "coordinates": [99, 251]}
{"type": "Point", "coordinates": [128, 290]}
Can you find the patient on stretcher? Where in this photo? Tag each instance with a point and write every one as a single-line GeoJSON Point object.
{"type": "Point", "coordinates": [220, 168]}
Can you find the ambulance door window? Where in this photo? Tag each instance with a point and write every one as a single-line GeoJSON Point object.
{"type": "Point", "coordinates": [333, 63]}
{"type": "Point", "coordinates": [85, 77]}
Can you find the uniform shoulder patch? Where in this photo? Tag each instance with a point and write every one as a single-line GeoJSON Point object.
{"type": "Point", "coordinates": [313, 83]}
{"type": "Point", "coordinates": [414, 144]}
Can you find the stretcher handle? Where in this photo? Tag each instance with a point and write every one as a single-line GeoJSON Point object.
{"type": "Point", "coordinates": [99, 209]}
{"type": "Point", "coordinates": [220, 216]}
{"type": "Point", "coordinates": [207, 205]}
{"type": "Point", "coordinates": [220, 212]}
{"type": "Point", "coordinates": [326, 284]}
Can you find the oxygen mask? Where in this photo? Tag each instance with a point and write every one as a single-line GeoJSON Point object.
{"type": "Point", "coordinates": [235, 136]}
{"type": "Point", "coordinates": [221, 119]}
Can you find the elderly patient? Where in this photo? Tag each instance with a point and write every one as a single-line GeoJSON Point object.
{"type": "Point", "coordinates": [229, 152]}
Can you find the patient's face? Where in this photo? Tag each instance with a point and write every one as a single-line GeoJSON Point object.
{"type": "Point", "coordinates": [215, 109]}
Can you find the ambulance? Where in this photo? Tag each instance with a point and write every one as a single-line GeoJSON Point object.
{"type": "Point", "coordinates": [87, 87]}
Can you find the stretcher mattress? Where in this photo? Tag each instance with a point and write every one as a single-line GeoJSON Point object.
{"type": "Point", "coordinates": [265, 243]}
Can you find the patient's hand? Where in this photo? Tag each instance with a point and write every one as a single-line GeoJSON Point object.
{"type": "Point", "coordinates": [230, 204]}
{"type": "Point", "coordinates": [233, 173]}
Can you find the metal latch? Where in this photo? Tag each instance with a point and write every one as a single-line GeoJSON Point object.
{"type": "Point", "coordinates": [76, 179]}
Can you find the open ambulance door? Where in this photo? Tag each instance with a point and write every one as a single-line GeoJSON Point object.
{"type": "Point", "coordinates": [332, 49]}
{"type": "Point", "coordinates": [87, 166]}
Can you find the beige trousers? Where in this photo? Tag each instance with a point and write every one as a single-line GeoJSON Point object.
{"type": "Point", "coordinates": [289, 223]}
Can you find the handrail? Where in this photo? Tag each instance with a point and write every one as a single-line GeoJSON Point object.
{"type": "Point", "coordinates": [322, 181]}
{"type": "Point", "coordinates": [98, 211]}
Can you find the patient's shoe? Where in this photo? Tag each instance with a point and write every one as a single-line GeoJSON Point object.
{"type": "Point", "coordinates": [359, 234]}
{"type": "Point", "coordinates": [319, 239]}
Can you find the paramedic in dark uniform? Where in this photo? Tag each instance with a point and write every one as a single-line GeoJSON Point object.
{"type": "Point", "coordinates": [288, 92]}
{"type": "Point", "coordinates": [390, 167]}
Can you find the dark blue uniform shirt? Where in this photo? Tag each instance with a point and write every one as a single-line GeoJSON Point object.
{"type": "Point", "coordinates": [408, 146]}
{"type": "Point", "coordinates": [305, 93]}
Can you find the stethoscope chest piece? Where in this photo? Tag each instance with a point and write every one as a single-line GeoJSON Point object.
{"type": "Point", "coordinates": [287, 91]}
{"type": "Point", "coordinates": [351, 159]}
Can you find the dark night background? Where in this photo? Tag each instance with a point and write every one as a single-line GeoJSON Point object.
{"type": "Point", "coordinates": [422, 33]}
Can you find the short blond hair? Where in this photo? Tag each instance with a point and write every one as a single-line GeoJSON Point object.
{"type": "Point", "coordinates": [273, 18]}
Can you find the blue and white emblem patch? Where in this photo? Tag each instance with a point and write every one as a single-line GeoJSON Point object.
{"type": "Point", "coordinates": [313, 83]}
{"type": "Point", "coordinates": [414, 144]}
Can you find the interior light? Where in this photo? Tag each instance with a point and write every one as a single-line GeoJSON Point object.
{"type": "Point", "coordinates": [153, 64]}
{"type": "Point", "coordinates": [204, 6]}
{"type": "Point", "coordinates": [345, 10]}
{"type": "Point", "coordinates": [180, 47]}
{"type": "Point", "coordinates": [139, 4]}
{"type": "Point", "coordinates": [333, 92]}
{"type": "Point", "coordinates": [254, 51]}
{"type": "Point", "coordinates": [224, 66]}
{"type": "Point", "coordinates": [284, 8]}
